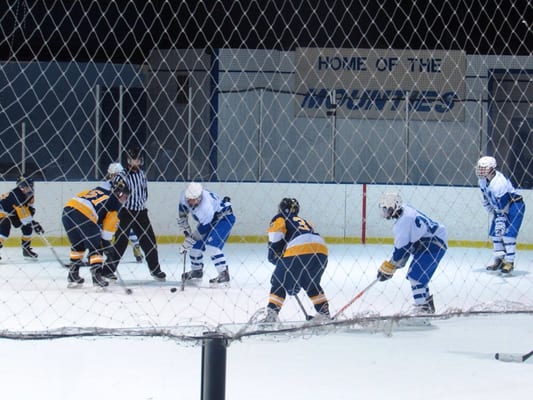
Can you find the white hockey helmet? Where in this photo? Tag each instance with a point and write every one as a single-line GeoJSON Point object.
{"type": "Point", "coordinates": [390, 203]}
{"type": "Point", "coordinates": [193, 191]}
{"type": "Point", "coordinates": [115, 168]}
{"type": "Point", "coordinates": [485, 166]}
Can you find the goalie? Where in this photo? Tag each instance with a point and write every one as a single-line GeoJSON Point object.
{"type": "Point", "coordinates": [506, 207]}
{"type": "Point", "coordinates": [417, 235]}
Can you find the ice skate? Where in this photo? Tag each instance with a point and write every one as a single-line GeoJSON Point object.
{"type": "Point", "coordinates": [271, 317]}
{"type": "Point", "coordinates": [496, 265]}
{"type": "Point", "coordinates": [159, 275]}
{"type": "Point", "coordinates": [222, 278]}
{"type": "Point", "coordinates": [507, 268]}
{"type": "Point", "coordinates": [427, 308]}
{"type": "Point", "coordinates": [110, 276]}
{"type": "Point", "coordinates": [28, 253]}
{"type": "Point", "coordinates": [98, 279]}
{"type": "Point", "coordinates": [192, 274]}
{"type": "Point", "coordinates": [74, 278]}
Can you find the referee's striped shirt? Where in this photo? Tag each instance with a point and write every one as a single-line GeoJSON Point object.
{"type": "Point", "coordinates": [137, 183]}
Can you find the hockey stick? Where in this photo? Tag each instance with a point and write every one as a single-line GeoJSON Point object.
{"type": "Point", "coordinates": [183, 274]}
{"type": "Point", "coordinates": [513, 357]}
{"type": "Point", "coordinates": [307, 316]}
{"type": "Point", "coordinates": [127, 290]}
{"type": "Point", "coordinates": [49, 245]}
{"type": "Point", "coordinates": [344, 307]}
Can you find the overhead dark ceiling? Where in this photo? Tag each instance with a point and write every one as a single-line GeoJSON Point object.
{"type": "Point", "coordinates": [126, 31]}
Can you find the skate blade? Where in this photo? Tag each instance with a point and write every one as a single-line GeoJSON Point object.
{"type": "Point", "coordinates": [74, 285]}
{"type": "Point", "coordinates": [216, 285]}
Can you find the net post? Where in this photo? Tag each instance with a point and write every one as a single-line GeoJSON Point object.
{"type": "Point", "coordinates": [213, 366]}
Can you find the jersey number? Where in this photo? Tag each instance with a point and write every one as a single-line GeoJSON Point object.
{"type": "Point", "coordinates": [431, 226]}
{"type": "Point", "coordinates": [303, 225]}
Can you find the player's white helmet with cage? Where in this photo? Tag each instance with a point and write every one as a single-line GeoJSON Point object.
{"type": "Point", "coordinates": [485, 166]}
{"type": "Point", "coordinates": [115, 168]}
{"type": "Point", "coordinates": [390, 203]}
{"type": "Point", "coordinates": [193, 191]}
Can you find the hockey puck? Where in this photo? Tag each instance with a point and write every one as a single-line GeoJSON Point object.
{"type": "Point", "coordinates": [173, 290]}
{"type": "Point", "coordinates": [129, 291]}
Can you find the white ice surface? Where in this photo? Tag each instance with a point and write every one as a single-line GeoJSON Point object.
{"type": "Point", "coordinates": [453, 360]}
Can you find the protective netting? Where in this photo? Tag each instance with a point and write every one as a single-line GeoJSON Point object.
{"type": "Point", "coordinates": [331, 102]}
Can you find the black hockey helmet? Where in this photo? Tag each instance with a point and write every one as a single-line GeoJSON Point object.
{"type": "Point", "coordinates": [23, 182]}
{"type": "Point", "coordinates": [289, 206]}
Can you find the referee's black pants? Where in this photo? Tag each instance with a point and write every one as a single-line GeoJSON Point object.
{"type": "Point", "coordinates": [141, 225]}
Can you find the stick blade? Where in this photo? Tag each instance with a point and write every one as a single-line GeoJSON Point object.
{"type": "Point", "coordinates": [509, 357]}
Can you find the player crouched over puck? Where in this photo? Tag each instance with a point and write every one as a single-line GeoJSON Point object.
{"type": "Point", "coordinates": [90, 220]}
{"type": "Point", "coordinates": [300, 256]}
{"type": "Point", "coordinates": [215, 219]}
{"type": "Point", "coordinates": [417, 235]}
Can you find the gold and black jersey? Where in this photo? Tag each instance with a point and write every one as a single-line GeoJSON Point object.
{"type": "Point", "coordinates": [100, 206]}
{"type": "Point", "coordinates": [292, 235]}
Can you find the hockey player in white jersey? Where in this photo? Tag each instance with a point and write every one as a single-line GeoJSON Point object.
{"type": "Point", "coordinates": [418, 235]}
{"type": "Point", "coordinates": [507, 208]}
{"type": "Point", "coordinates": [214, 217]}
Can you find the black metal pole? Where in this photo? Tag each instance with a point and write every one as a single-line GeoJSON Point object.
{"type": "Point", "coordinates": [214, 367]}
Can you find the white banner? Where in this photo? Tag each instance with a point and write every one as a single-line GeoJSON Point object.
{"type": "Point", "coordinates": [375, 83]}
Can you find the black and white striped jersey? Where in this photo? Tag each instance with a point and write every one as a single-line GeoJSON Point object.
{"type": "Point", "coordinates": [138, 190]}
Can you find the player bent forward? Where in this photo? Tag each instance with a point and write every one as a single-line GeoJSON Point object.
{"type": "Point", "coordinates": [300, 255]}
{"type": "Point", "coordinates": [215, 219]}
{"type": "Point", "coordinates": [16, 209]}
{"type": "Point", "coordinates": [90, 220]}
{"type": "Point", "coordinates": [417, 235]}
{"type": "Point", "coordinates": [507, 208]}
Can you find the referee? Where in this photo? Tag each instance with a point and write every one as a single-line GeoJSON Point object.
{"type": "Point", "coordinates": [134, 216]}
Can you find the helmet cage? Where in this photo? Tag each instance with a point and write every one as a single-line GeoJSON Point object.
{"type": "Point", "coordinates": [193, 191]}
{"type": "Point", "coordinates": [390, 204]}
{"type": "Point", "coordinates": [485, 167]}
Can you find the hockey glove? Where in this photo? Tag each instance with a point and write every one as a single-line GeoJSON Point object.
{"type": "Point", "coordinates": [183, 223]}
{"type": "Point", "coordinates": [37, 227]}
{"type": "Point", "coordinates": [187, 244]}
{"type": "Point", "coordinates": [386, 271]}
{"type": "Point", "coordinates": [500, 225]}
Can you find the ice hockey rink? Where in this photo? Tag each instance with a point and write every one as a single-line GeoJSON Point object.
{"type": "Point", "coordinates": [453, 358]}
